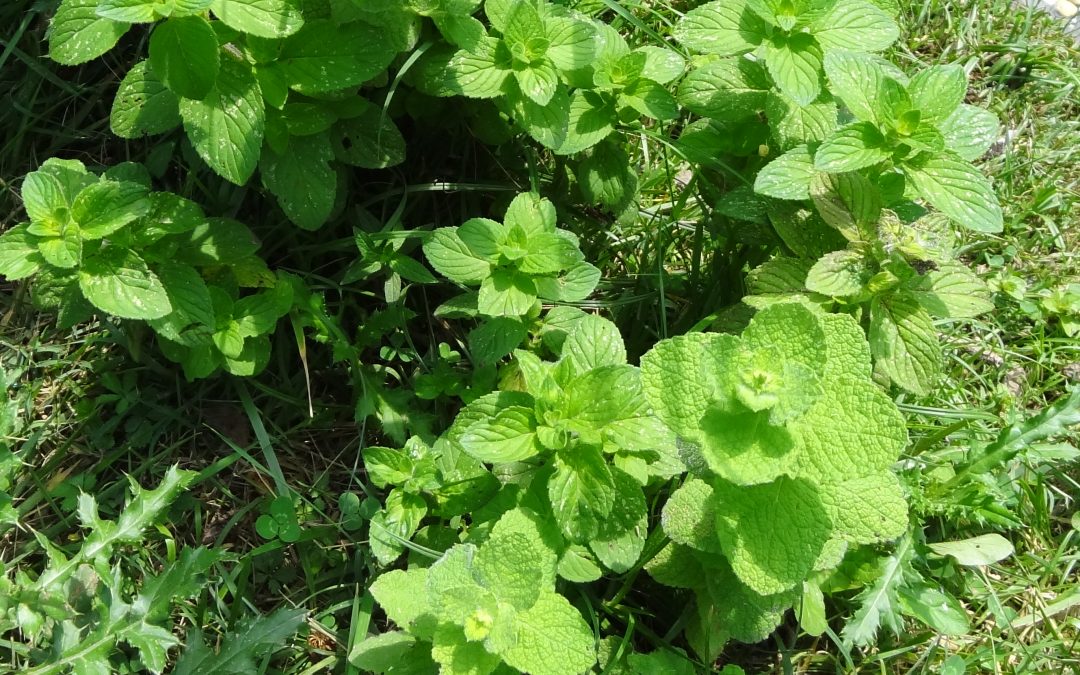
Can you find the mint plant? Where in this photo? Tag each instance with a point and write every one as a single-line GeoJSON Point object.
{"type": "Point", "coordinates": [515, 263]}
{"type": "Point", "coordinates": [791, 37]}
{"type": "Point", "coordinates": [790, 428]}
{"type": "Point", "coordinates": [481, 606]}
{"type": "Point", "coordinates": [918, 132]}
{"type": "Point", "coordinates": [99, 244]}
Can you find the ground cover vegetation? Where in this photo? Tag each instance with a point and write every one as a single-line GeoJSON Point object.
{"type": "Point", "coordinates": [550, 337]}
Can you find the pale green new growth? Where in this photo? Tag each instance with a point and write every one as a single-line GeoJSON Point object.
{"type": "Point", "coordinates": [477, 607]}
{"type": "Point", "coordinates": [800, 440]}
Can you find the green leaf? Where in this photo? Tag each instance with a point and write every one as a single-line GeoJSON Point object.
{"type": "Point", "coordinates": [370, 140]}
{"type": "Point", "coordinates": [591, 119]}
{"type": "Point", "coordinates": [452, 258]}
{"type": "Point", "coordinates": [794, 63]}
{"type": "Point", "coordinates": [576, 284]}
{"type": "Point", "coordinates": [722, 27]}
{"type": "Point", "coordinates": [118, 282]}
{"type": "Point", "coordinates": [788, 176]}
{"type": "Point", "coordinates": [594, 342]}
{"type": "Point", "coordinates": [650, 99]}
{"type": "Point", "coordinates": [302, 179]}
{"type": "Point", "coordinates": [262, 18]}
{"type": "Point", "coordinates": [64, 250]}
{"type": "Point", "coordinates": [581, 492]}
{"type": "Point", "coordinates": [481, 71]}
{"type": "Point", "coordinates": [218, 240]}
{"type": "Point", "coordinates": [849, 202]}
{"type": "Point", "coordinates": [383, 652]}
{"type": "Point", "coordinates": [607, 177]}
{"type": "Point", "coordinates": [510, 436]}
{"type": "Point", "coordinates": [77, 34]}
{"type": "Point", "coordinates": [937, 91]}
{"type": "Point", "coordinates": [793, 125]}
{"type": "Point", "coordinates": [572, 42]}
{"type": "Point", "coordinates": [538, 80]}
{"type": "Point", "coordinates": [251, 639]}
{"type": "Point", "coordinates": [868, 89]}
{"type": "Point", "coordinates": [621, 537]}
{"type": "Point", "coordinates": [507, 292]}
{"type": "Point", "coordinates": [103, 208]}
{"type": "Point", "coordinates": [879, 602]}
{"type": "Point", "coordinates": [131, 11]}
{"type": "Point", "coordinates": [662, 65]}
{"type": "Point", "coordinates": [226, 128]}
{"type": "Point", "coordinates": [855, 25]}
{"type": "Point", "coordinates": [856, 146]}
{"type": "Point", "coordinates": [957, 189]}
{"type": "Point", "coordinates": [188, 293]}
{"type": "Point", "coordinates": [553, 639]}
{"type": "Point", "coordinates": [952, 291]}
{"type": "Point", "coordinates": [970, 131]}
{"type": "Point", "coordinates": [746, 522]}
{"type": "Point", "coordinates": [689, 517]}
{"type": "Point", "coordinates": [494, 338]}
{"type": "Point", "coordinates": [184, 56]}
{"type": "Point", "coordinates": [904, 342]}
{"type": "Point", "coordinates": [679, 381]}
{"type": "Point", "coordinates": [324, 57]}
{"type": "Point", "coordinates": [143, 106]}
{"type": "Point", "coordinates": [511, 564]}
{"type": "Point", "coordinates": [975, 551]}
{"type": "Point", "coordinates": [19, 255]}
{"type": "Point", "coordinates": [839, 274]}
{"type": "Point", "coordinates": [547, 124]}
{"type": "Point", "coordinates": [725, 89]}
{"type": "Point", "coordinates": [936, 609]}
{"type": "Point", "coordinates": [402, 594]}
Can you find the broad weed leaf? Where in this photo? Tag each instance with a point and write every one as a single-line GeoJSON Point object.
{"type": "Point", "coordinates": [251, 639]}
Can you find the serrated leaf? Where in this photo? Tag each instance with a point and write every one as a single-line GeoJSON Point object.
{"type": "Point", "coordinates": [547, 124]}
{"type": "Point", "coordinates": [572, 42]}
{"type": "Point", "coordinates": [937, 92]}
{"type": "Point", "coordinates": [952, 291]}
{"type": "Point", "coordinates": [839, 274]}
{"type": "Point", "coordinates": [856, 146]}
{"type": "Point", "coordinates": [105, 207]}
{"type": "Point", "coordinates": [553, 639]}
{"type": "Point", "coordinates": [118, 282]}
{"type": "Point", "coordinates": [78, 34]}
{"type": "Point", "coordinates": [184, 55]}
{"type": "Point", "coordinates": [794, 63]}
{"type": "Point", "coordinates": [725, 89]}
{"type": "Point", "coordinates": [723, 28]}
{"type": "Point", "coordinates": [594, 342]}
{"type": "Point", "coordinates": [302, 179]}
{"type": "Point", "coordinates": [957, 189]}
{"type": "Point", "coordinates": [855, 25]}
{"type": "Point", "coordinates": [19, 255]}
{"type": "Point", "coordinates": [794, 125]}
{"type": "Point", "coordinates": [581, 492]}
{"type": "Point", "coordinates": [449, 255]}
{"type": "Point", "coordinates": [970, 131]}
{"type": "Point", "coordinates": [324, 57]}
{"type": "Point", "coordinates": [510, 436]}
{"type": "Point", "coordinates": [262, 18]}
{"type": "Point", "coordinates": [226, 128]}
{"type": "Point", "coordinates": [788, 176]}
{"type": "Point", "coordinates": [143, 106]}
{"type": "Point", "coordinates": [621, 537]}
{"type": "Point", "coordinates": [251, 639]}
{"type": "Point", "coordinates": [865, 85]}
{"type": "Point", "coordinates": [905, 343]}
